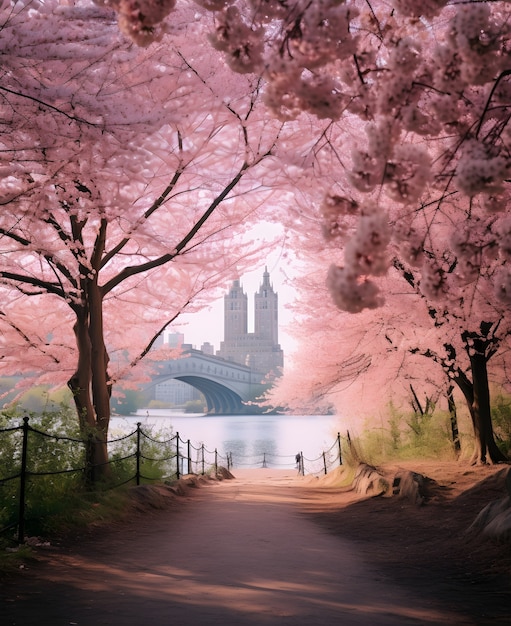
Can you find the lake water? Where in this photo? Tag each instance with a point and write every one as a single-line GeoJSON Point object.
{"type": "Point", "coordinates": [252, 440]}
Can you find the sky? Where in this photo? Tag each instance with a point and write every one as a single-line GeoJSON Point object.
{"type": "Point", "coordinates": [208, 324]}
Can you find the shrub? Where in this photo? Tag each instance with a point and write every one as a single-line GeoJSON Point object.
{"type": "Point", "coordinates": [501, 418]}
{"type": "Point", "coordinates": [56, 494]}
{"type": "Point", "coordinates": [406, 436]}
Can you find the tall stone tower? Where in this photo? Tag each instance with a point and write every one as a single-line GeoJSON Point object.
{"type": "Point", "coordinates": [266, 311]}
{"type": "Point", "coordinates": [235, 312]}
{"type": "Point", "coordinates": [260, 350]}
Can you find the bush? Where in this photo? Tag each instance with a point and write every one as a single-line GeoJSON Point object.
{"type": "Point", "coordinates": [406, 436]}
{"type": "Point", "coordinates": [501, 418]}
{"type": "Point", "coordinates": [194, 406]}
{"type": "Point", "coordinates": [53, 446]}
{"type": "Point", "coordinates": [56, 494]}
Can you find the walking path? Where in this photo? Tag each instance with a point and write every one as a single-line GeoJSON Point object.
{"type": "Point", "coordinates": [236, 553]}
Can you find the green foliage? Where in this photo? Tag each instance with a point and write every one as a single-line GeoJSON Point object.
{"type": "Point", "coordinates": [43, 400]}
{"type": "Point", "coordinates": [394, 427]}
{"type": "Point", "coordinates": [12, 558]}
{"type": "Point", "coordinates": [159, 404]}
{"type": "Point", "coordinates": [157, 456]}
{"type": "Point", "coordinates": [45, 454]}
{"type": "Point", "coordinates": [65, 511]}
{"type": "Point", "coordinates": [407, 436]}
{"type": "Point", "coordinates": [501, 418]}
{"type": "Point", "coordinates": [130, 401]}
{"type": "Point", "coordinates": [194, 406]}
{"type": "Point", "coordinates": [57, 497]}
{"type": "Point", "coordinates": [419, 423]}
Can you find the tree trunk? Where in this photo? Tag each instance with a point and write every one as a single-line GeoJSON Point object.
{"type": "Point", "coordinates": [486, 450]}
{"type": "Point", "coordinates": [477, 397]}
{"type": "Point", "coordinates": [90, 384]}
{"type": "Point", "coordinates": [80, 384]}
{"type": "Point", "coordinates": [101, 386]}
{"type": "Point", "coordinates": [454, 421]}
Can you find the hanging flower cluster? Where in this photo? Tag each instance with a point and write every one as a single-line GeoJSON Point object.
{"type": "Point", "coordinates": [242, 44]}
{"type": "Point", "coordinates": [352, 293]}
{"type": "Point", "coordinates": [365, 255]}
{"type": "Point", "coordinates": [141, 19]}
{"type": "Point", "coordinates": [482, 168]}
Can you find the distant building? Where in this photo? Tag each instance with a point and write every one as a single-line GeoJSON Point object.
{"type": "Point", "coordinates": [260, 350]}
{"type": "Point", "coordinates": [175, 340]}
{"type": "Point", "coordinates": [176, 393]}
{"type": "Point", "coordinates": [171, 340]}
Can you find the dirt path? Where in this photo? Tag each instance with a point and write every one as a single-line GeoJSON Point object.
{"type": "Point", "coordinates": [239, 552]}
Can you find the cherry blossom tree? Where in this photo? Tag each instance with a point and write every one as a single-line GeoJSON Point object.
{"type": "Point", "coordinates": [359, 363]}
{"type": "Point", "coordinates": [426, 181]}
{"type": "Point", "coordinates": [126, 175]}
{"type": "Point", "coordinates": [423, 89]}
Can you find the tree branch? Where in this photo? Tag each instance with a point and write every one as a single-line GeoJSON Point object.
{"type": "Point", "coordinates": [45, 286]}
{"type": "Point", "coordinates": [162, 260]}
{"type": "Point", "coordinates": [154, 207]}
{"type": "Point", "coordinates": [48, 106]}
{"type": "Point", "coordinates": [488, 101]}
{"type": "Point", "coordinates": [25, 338]}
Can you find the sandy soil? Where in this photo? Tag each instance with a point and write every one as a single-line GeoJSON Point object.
{"type": "Point", "coordinates": [424, 550]}
{"type": "Point", "coordinates": [428, 546]}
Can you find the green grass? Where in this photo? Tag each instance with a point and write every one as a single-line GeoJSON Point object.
{"type": "Point", "coordinates": [406, 437]}
{"type": "Point", "coordinates": [68, 511]}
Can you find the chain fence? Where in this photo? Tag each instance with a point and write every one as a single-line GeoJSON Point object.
{"type": "Point", "coordinates": [29, 454]}
{"type": "Point", "coordinates": [321, 464]}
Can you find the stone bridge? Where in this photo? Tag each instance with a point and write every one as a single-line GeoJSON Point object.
{"type": "Point", "coordinates": [224, 384]}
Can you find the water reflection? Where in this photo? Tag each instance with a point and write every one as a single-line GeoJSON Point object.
{"type": "Point", "coordinates": [251, 440]}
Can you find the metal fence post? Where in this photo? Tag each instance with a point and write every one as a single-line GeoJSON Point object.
{"type": "Point", "coordinates": [137, 454]}
{"type": "Point", "coordinates": [216, 461]}
{"type": "Point", "coordinates": [302, 465]}
{"type": "Point", "coordinates": [202, 450]}
{"type": "Point", "coordinates": [189, 457]}
{"type": "Point", "coordinates": [339, 444]}
{"type": "Point", "coordinates": [177, 456]}
{"type": "Point", "coordinates": [324, 463]}
{"type": "Point", "coordinates": [23, 482]}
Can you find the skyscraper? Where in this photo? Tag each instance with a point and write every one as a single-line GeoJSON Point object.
{"type": "Point", "coordinates": [260, 349]}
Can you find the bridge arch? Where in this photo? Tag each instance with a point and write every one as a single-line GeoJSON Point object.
{"type": "Point", "coordinates": [224, 384]}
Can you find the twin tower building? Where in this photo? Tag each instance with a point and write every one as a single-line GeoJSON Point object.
{"type": "Point", "coordinates": [259, 350]}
